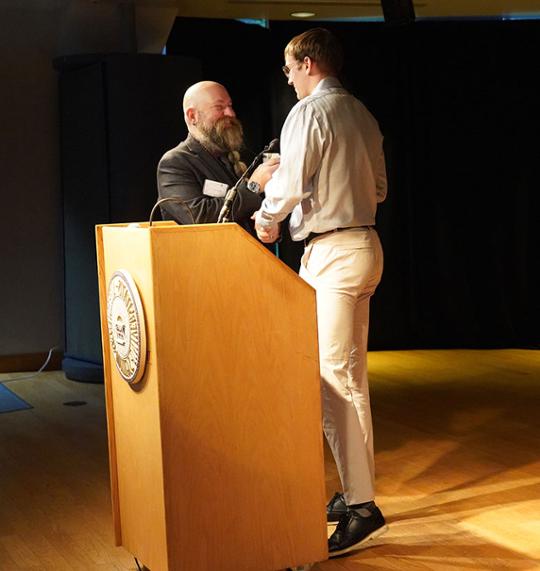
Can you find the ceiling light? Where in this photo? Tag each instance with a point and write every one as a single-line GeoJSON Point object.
{"type": "Point", "coordinates": [302, 14]}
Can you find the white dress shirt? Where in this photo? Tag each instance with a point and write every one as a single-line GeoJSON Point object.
{"type": "Point", "coordinates": [332, 172]}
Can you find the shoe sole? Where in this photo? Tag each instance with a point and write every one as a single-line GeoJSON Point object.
{"type": "Point", "coordinates": [360, 544]}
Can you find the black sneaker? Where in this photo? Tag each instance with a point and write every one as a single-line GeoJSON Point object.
{"type": "Point", "coordinates": [335, 508]}
{"type": "Point", "coordinates": [354, 531]}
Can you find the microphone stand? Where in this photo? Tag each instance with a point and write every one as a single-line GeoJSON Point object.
{"type": "Point", "coordinates": [224, 214]}
{"type": "Point", "coordinates": [231, 195]}
{"type": "Point", "coordinates": [171, 199]}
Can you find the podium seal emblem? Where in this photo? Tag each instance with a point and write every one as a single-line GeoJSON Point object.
{"type": "Point", "coordinates": [127, 332]}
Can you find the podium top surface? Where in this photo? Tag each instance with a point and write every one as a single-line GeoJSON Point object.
{"type": "Point", "coordinates": [168, 227]}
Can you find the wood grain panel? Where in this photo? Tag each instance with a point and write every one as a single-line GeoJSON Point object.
{"type": "Point", "coordinates": [113, 462]}
{"type": "Point", "coordinates": [228, 415]}
{"type": "Point", "coordinates": [137, 432]}
{"type": "Point", "coordinates": [240, 398]}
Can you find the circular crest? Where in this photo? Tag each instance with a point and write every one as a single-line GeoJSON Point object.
{"type": "Point", "coordinates": [127, 332]}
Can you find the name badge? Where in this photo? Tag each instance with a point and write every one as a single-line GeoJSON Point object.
{"type": "Point", "coordinates": [214, 188]}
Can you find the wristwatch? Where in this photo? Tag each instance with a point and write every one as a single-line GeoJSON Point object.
{"type": "Point", "coordinates": [254, 186]}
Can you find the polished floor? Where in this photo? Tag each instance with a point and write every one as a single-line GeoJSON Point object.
{"type": "Point", "coordinates": [457, 454]}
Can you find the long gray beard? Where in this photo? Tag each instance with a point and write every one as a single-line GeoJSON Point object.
{"type": "Point", "coordinates": [225, 135]}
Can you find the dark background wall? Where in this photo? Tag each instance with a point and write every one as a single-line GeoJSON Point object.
{"type": "Point", "coordinates": [32, 34]}
{"type": "Point", "coordinates": [31, 271]}
{"type": "Point", "coordinates": [457, 102]}
{"type": "Point", "coordinates": [458, 105]}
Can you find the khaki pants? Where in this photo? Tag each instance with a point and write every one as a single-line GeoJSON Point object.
{"type": "Point", "coordinates": [345, 268]}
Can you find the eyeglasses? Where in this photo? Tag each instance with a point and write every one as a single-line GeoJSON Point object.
{"type": "Point", "coordinates": [287, 70]}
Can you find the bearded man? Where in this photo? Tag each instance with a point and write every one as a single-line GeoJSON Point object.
{"type": "Point", "coordinates": [201, 169]}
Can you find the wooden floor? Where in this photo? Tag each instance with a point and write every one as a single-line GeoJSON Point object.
{"type": "Point", "coordinates": [457, 452]}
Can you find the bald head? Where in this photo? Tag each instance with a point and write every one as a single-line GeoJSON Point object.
{"type": "Point", "coordinates": [208, 106]}
{"type": "Point", "coordinates": [203, 93]}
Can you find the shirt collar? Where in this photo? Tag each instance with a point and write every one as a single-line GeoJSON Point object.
{"type": "Point", "coordinates": [193, 144]}
{"type": "Point", "coordinates": [329, 82]}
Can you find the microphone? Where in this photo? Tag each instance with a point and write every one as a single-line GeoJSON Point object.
{"type": "Point", "coordinates": [272, 147]}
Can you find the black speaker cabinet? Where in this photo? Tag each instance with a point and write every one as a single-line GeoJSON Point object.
{"type": "Point", "coordinates": [118, 115]}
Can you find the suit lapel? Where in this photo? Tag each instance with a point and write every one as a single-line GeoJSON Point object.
{"type": "Point", "coordinates": [216, 169]}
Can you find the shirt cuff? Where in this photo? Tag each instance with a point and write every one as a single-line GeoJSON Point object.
{"type": "Point", "coordinates": [265, 219]}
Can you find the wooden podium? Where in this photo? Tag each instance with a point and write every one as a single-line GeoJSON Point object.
{"type": "Point", "coordinates": [216, 455]}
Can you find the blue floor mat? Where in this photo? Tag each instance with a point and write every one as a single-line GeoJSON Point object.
{"type": "Point", "coordinates": [10, 402]}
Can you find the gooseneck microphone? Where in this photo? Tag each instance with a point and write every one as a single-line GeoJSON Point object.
{"type": "Point", "coordinates": [171, 199]}
{"type": "Point", "coordinates": [224, 214]}
{"type": "Point", "coordinates": [272, 147]}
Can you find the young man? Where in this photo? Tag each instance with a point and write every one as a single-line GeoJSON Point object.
{"type": "Point", "coordinates": [331, 177]}
{"type": "Point", "coordinates": [201, 169]}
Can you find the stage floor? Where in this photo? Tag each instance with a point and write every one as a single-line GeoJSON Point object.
{"type": "Point", "coordinates": [457, 459]}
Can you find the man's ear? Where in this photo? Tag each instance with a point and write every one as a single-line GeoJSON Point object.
{"type": "Point", "coordinates": [309, 64]}
{"type": "Point", "coordinates": [191, 116]}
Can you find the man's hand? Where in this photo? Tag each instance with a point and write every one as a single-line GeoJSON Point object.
{"type": "Point", "coordinates": [263, 173]}
{"type": "Point", "coordinates": [266, 234]}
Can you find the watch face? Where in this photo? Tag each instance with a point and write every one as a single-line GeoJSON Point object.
{"type": "Point", "coordinates": [253, 186]}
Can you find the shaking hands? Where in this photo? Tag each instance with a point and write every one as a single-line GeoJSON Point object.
{"type": "Point", "coordinates": [262, 174]}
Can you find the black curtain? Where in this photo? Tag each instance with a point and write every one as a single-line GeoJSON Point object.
{"type": "Point", "coordinates": [458, 105]}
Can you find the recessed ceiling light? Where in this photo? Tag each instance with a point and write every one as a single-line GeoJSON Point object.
{"type": "Point", "coordinates": [302, 14]}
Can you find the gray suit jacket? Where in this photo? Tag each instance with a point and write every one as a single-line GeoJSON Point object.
{"type": "Point", "coordinates": [182, 172]}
